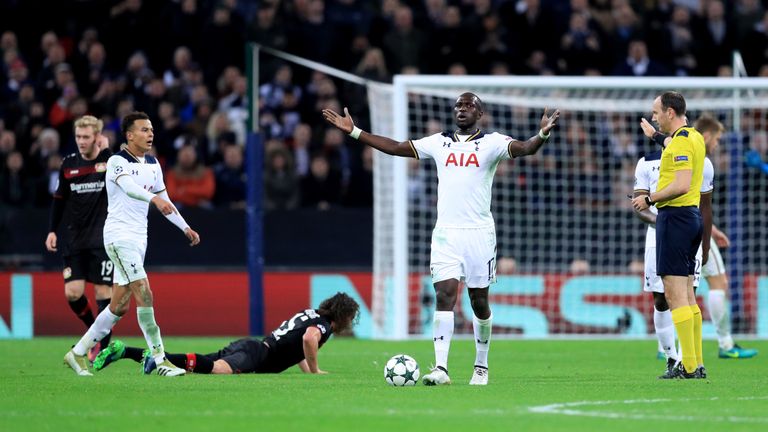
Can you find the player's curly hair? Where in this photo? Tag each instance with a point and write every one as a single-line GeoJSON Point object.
{"type": "Point", "coordinates": [340, 309]}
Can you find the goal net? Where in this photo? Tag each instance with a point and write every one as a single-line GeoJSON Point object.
{"type": "Point", "coordinates": [570, 250]}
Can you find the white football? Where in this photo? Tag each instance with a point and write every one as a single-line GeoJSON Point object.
{"type": "Point", "coordinates": [401, 370]}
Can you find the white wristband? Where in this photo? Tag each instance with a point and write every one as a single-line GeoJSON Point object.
{"type": "Point", "coordinates": [356, 131]}
{"type": "Point", "coordinates": [542, 136]}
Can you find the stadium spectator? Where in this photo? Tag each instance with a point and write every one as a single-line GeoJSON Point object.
{"type": "Point", "coordinates": [190, 183]}
{"type": "Point", "coordinates": [281, 185]}
{"type": "Point", "coordinates": [580, 47]}
{"type": "Point", "coordinates": [638, 63]}
{"type": "Point", "coordinates": [230, 179]}
{"type": "Point", "coordinates": [359, 191]}
{"type": "Point", "coordinates": [322, 187]}
{"type": "Point", "coordinates": [16, 186]}
{"type": "Point", "coordinates": [405, 45]}
{"type": "Point", "coordinates": [755, 47]}
{"type": "Point", "coordinates": [302, 146]}
{"type": "Point", "coordinates": [716, 36]}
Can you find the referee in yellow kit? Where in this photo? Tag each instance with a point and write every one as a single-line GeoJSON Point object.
{"type": "Point", "coordinates": [679, 224]}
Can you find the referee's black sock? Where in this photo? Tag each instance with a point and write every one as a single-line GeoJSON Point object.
{"type": "Point", "coordinates": [192, 362]}
{"type": "Point", "coordinates": [103, 304]}
{"type": "Point", "coordinates": [82, 309]}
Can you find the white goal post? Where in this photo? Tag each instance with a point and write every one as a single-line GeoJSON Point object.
{"type": "Point", "coordinates": [567, 238]}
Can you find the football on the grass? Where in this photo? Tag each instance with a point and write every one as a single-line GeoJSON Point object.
{"type": "Point", "coordinates": [401, 370]}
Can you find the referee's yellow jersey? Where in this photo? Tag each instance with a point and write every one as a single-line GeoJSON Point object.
{"type": "Point", "coordinates": [686, 151]}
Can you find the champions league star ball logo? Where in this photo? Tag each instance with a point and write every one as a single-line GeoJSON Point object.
{"type": "Point", "coordinates": [118, 169]}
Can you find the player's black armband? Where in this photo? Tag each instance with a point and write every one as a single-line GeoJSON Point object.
{"type": "Point", "coordinates": [57, 212]}
{"type": "Point", "coordinates": [659, 138]}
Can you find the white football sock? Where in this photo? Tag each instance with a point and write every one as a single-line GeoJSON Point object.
{"type": "Point", "coordinates": [442, 331]}
{"type": "Point", "coordinates": [100, 327]}
{"type": "Point", "coordinates": [146, 316]}
{"type": "Point", "coordinates": [718, 311]}
{"type": "Point", "coordinates": [482, 330]}
{"type": "Point", "coordinates": [665, 332]}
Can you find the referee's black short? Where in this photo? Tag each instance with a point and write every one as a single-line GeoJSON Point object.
{"type": "Point", "coordinates": [678, 236]}
{"type": "Point", "coordinates": [243, 355]}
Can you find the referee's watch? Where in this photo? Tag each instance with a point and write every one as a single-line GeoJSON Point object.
{"type": "Point", "coordinates": [648, 200]}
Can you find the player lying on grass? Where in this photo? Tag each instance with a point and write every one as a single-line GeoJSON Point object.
{"type": "Point", "coordinates": [296, 341]}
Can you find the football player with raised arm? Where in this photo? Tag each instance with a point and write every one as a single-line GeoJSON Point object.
{"type": "Point", "coordinates": [134, 180]}
{"type": "Point", "coordinates": [464, 237]}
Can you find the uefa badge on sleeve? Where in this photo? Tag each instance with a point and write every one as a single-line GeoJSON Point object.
{"type": "Point", "coordinates": [67, 273]}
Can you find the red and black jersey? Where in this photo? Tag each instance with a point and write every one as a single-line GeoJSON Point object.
{"type": "Point", "coordinates": [81, 198]}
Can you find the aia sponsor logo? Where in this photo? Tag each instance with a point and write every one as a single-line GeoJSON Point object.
{"type": "Point", "coordinates": [462, 160]}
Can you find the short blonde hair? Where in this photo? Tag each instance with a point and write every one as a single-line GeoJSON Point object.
{"type": "Point", "coordinates": [707, 123]}
{"type": "Point", "coordinates": [90, 121]}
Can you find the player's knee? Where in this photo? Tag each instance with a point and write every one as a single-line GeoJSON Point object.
{"type": "Point", "coordinates": [73, 291]}
{"type": "Point", "coordinates": [119, 308]}
{"type": "Point", "coordinates": [480, 307]}
{"type": "Point", "coordinates": [445, 299]}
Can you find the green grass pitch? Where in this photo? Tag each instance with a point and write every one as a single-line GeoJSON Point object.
{"type": "Point", "coordinates": [555, 385]}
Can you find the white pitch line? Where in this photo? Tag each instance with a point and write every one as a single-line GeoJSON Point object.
{"type": "Point", "coordinates": [571, 409]}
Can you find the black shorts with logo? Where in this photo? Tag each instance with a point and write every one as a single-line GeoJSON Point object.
{"type": "Point", "coordinates": [678, 236]}
{"type": "Point", "coordinates": [243, 355]}
{"type": "Point", "coordinates": [92, 265]}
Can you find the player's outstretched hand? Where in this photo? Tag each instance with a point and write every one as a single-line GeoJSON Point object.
{"type": "Point", "coordinates": [548, 122]}
{"type": "Point", "coordinates": [164, 206]}
{"type": "Point", "coordinates": [344, 123]}
{"type": "Point", "coordinates": [648, 129]}
{"type": "Point", "coordinates": [321, 372]}
{"type": "Point", "coordinates": [50, 242]}
{"type": "Point", "coordinates": [193, 236]}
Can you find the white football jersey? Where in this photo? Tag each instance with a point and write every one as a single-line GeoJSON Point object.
{"type": "Point", "coordinates": [647, 179]}
{"type": "Point", "coordinates": [126, 216]}
{"type": "Point", "coordinates": [465, 169]}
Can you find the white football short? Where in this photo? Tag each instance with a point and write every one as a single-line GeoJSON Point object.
{"type": "Point", "coordinates": [467, 254]}
{"type": "Point", "coordinates": [128, 258]}
{"type": "Point", "coordinates": [653, 282]}
{"type": "Point", "coordinates": [714, 265]}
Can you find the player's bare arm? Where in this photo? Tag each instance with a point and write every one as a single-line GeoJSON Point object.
{"type": "Point", "coordinates": [532, 145]}
{"type": "Point", "coordinates": [164, 206]}
{"type": "Point", "coordinates": [383, 144]}
{"type": "Point", "coordinates": [679, 186]}
{"type": "Point", "coordinates": [311, 342]}
{"type": "Point", "coordinates": [645, 215]}
{"type": "Point", "coordinates": [721, 239]}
